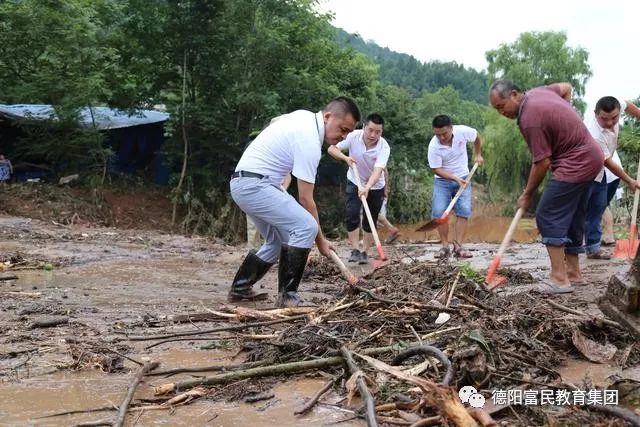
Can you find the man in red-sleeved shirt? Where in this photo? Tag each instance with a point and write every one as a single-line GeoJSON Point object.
{"type": "Point", "coordinates": [558, 140]}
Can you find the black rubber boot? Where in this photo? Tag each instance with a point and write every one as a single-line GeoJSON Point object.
{"type": "Point", "coordinates": [292, 263]}
{"type": "Point", "coordinates": [252, 269]}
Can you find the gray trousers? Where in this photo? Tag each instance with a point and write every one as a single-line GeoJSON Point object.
{"type": "Point", "coordinates": [276, 214]}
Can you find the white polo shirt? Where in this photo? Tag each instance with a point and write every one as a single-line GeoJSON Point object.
{"type": "Point", "coordinates": [607, 139]}
{"type": "Point", "coordinates": [610, 175]}
{"type": "Point", "coordinates": [291, 144]}
{"type": "Point", "coordinates": [452, 159]}
{"type": "Point", "coordinates": [366, 159]}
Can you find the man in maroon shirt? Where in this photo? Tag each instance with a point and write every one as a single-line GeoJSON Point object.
{"type": "Point", "coordinates": [557, 139]}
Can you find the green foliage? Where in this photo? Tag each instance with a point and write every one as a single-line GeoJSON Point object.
{"type": "Point", "coordinates": [507, 158]}
{"type": "Point", "coordinates": [469, 273]}
{"type": "Point", "coordinates": [411, 188]}
{"type": "Point", "coordinates": [224, 68]}
{"type": "Point", "coordinates": [541, 58]}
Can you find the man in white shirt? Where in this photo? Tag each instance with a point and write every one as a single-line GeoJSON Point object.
{"type": "Point", "coordinates": [369, 152]}
{"type": "Point", "coordinates": [292, 144]}
{"type": "Point", "coordinates": [604, 127]}
{"type": "Point", "coordinates": [450, 163]}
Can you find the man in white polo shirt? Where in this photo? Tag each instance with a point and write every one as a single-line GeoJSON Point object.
{"type": "Point", "coordinates": [449, 160]}
{"type": "Point", "coordinates": [369, 152]}
{"type": "Point", "coordinates": [604, 127]}
{"type": "Point", "coordinates": [292, 144]}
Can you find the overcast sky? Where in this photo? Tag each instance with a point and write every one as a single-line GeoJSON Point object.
{"type": "Point", "coordinates": [463, 30]}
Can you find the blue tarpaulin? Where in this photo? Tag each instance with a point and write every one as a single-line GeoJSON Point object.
{"type": "Point", "coordinates": [105, 118]}
{"type": "Point", "coordinates": [136, 138]}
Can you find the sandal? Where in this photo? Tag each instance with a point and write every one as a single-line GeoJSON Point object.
{"type": "Point", "coordinates": [548, 287]}
{"type": "Point", "coordinates": [392, 237]}
{"type": "Point", "coordinates": [581, 282]}
{"type": "Point", "coordinates": [599, 255]}
{"type": "Point", "coordinates": [459, 252]}
{"type": "Point", "coordinates": [443, 253]}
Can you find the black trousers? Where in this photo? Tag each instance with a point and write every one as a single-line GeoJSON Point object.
{"type": "Point", "coordinates": [354, 207]}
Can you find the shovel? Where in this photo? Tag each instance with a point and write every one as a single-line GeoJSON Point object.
{"type": "Point", "coordinates": [626, 249]}
{"type": "Point", "coordinates": [372, 225]}
{"type": "Point", "coordinates": [351, 278]}
{"type": "Point", "coordinates": [434, 223]}
{"type": "Point", "coordinates": [492, 279]}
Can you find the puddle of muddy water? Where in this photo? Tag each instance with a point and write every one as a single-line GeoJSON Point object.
{"type": "Point", "coordinates": [575, 371]}
{"type": "Point", "coordinates": [479, 229]}
{"type": "Point", "coordinates": [22, 402]}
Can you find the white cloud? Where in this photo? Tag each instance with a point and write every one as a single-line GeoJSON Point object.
{"type": "Point", "coordinates": [463, 30]}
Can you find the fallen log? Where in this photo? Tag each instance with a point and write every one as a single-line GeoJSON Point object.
{"type": "Point", "coordinates": [365, 394]}
{"type": "Point", "coordinates": [213, 368]}
{"type": "Point", "coordinates": [49, 322]}
{"type": "Point", "coordinates": [124, 407]}
{"type": "Point", "coordinates": [265, 371]}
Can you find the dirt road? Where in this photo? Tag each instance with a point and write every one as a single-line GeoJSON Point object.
{"type": "Point", "coordinates": [107, 282]}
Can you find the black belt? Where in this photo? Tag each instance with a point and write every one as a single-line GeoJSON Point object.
{"type": "Point", "coordinates": [246, 175]}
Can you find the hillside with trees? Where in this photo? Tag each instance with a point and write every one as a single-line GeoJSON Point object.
{"type": "Point", "coordinates": [406, 71]}
{"type": "Point", "coordinates": [223, 69]}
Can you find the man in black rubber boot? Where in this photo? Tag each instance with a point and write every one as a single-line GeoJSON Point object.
{"type": "Point", "coordinates": [292, 144]}
{"type": "Point", "coordinates": [292, 263]}
{"type": "Point", "coordinates": [252, 269]}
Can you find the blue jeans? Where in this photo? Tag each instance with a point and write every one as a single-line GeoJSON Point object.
{"type": "Point", "coordinates": [560, 215]}
{"type": "Point", "coordinates": [600, 195]}
{"type": "Point", "coordinates": [443, 192]}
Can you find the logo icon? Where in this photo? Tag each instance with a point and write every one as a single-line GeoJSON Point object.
{"type": "Point", "coordinates": [469, 394]}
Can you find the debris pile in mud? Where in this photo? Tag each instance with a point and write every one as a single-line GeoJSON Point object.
{"type": "Point", "coordinates": [491, 342]}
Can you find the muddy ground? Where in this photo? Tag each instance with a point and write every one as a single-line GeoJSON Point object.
{"type": "Point", "coordinates": [109, 284]}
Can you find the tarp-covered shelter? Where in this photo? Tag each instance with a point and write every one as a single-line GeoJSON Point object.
{"type": "Point", "coordinates": [135, 137]}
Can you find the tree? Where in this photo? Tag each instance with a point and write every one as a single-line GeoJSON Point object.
{"type": "Point", "coordinates": [541, 58]}
{"type": "Point", "coordinates": [534, 59]}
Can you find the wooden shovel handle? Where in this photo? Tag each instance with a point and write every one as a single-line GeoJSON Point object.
{"type": "Point", "coordinates": [372, 226]}
{"type": "Point", "coordinates": [460, 191]}
{"type": "Point", "coordinates": [351, 278]}
{"type": "Point", "coordinates": [510, 231]}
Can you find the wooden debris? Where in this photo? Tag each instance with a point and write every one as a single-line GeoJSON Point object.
{"type": "Point", "coordinates": [124, 406]}
{"type": "Point", "coordinates": [365, 394]}
{"type": "Point", "coordinates": [312, 402]}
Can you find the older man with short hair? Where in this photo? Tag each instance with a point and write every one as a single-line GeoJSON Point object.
{"type": "Point", "coordinates": [557, 140]}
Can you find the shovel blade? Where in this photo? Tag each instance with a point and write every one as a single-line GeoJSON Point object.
{"type": "Point", "coordinates": [625, 249]}
{"type": "Point", "coordinates": [496, 281]}
{"type": "Point", "coordinates": [492, 279]}
{"type": "Point", "coordinates": [433, 224]}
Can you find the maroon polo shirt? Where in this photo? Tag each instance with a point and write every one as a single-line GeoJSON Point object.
{"type": "Point", "coordinates": [553, 129]}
